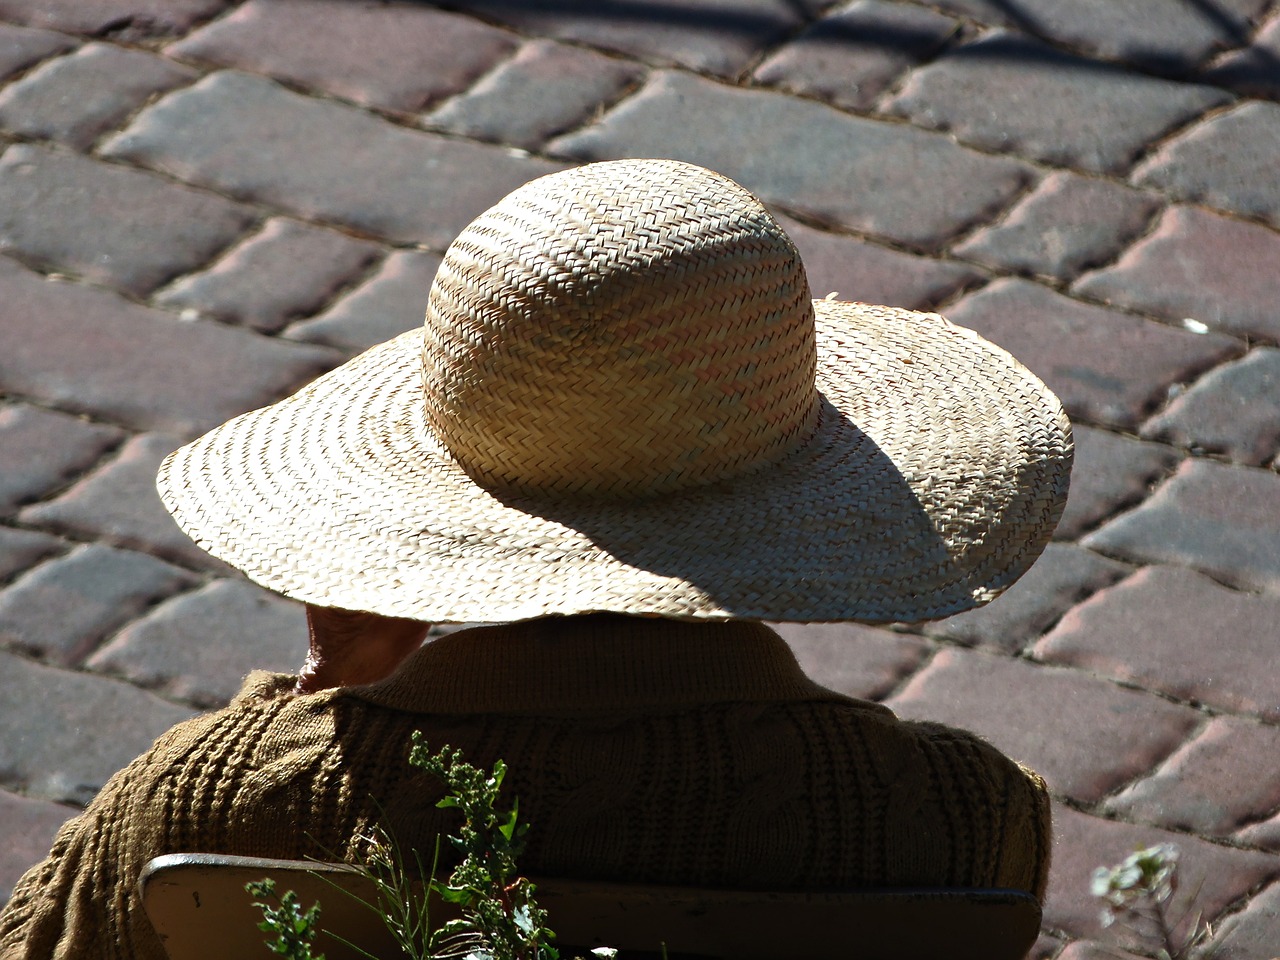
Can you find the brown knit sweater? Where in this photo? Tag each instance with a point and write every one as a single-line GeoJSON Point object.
{"type": "Point", "coordinates": [644, 750]}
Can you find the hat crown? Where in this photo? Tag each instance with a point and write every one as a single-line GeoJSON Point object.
{"type": "Point", "coordinates": [621, 329]}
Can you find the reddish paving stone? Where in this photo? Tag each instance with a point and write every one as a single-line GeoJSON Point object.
{"type": "Point", "coordinates": [1251, 934]}
{"type": "Point", "coordinates": [1110, 473]}
{"type": "Point", "coordinates": [710, 36]}
{"type": "Point", "coordinates": [1225, 778]}
{"type": "Point", "coordinates": [29, 827]}
{"type": "Point", "coordinates": [76, 99]}
{"type": "Point", "coordinates": [1108, 368]}
{"type": "Point", "coordinates": [41, 451]}
{"type": "Point", "coordinates": [398, 56]}
{"type": "Point", "coordinates": [1102, 735]}
{"type": "Point", "coordinates": [66, 733]}
{"type": "Point", "coordinates": [63, 608]}
{"type": "Point", "coordinates": [1264, 834]}
{"type": "Point", "coordinates": [1231, 410]}
{"type": "Point", "coordinates": [392, 301]}
{"type": "Point", "coordinates": [1211, 877]}
{"type": "Point", "coordinates": [1223, 519]}
{"type": "Point", "coordinates": [86, 349]}
{"type": "Point", "coordinates": [199, 646]}
{"type": "Point", "coordinates": [882, 178]}
{"type": "Point", "coordinates": [1046, 947]}
{"type": "Point", "coordinates": [1153, 33]}
{"type": "Point", "coordinates": [1010, 93]}
{"type": "Point", "coordinates": [326, 161]}
{"type": "Point", "coordinates": [1062, 577]}
{"type": "Point", "coordinates": [860, 661]}
{"type": "Point", "coordinates": [1176, 631]}
{"type": "Point", "coordinates": [22, 549]}
{"type": "Point", "coordinates": [20, 47]}
{"type": "Point", "coordinates": [1226, 162]}
{"type": "Point", "coordinates": [852, 56]}
{"type": "Point", "coordinates": [118, 504]}
{"type": "Point", "coordinates": [857, 270]}
{"type": "Point", "coordinates": [289, 270]}
{"type": "Point", "coordinates": [1253, 70]}
{"type": "Point", "coordinates": [546, 89]}
{"type": "Point", "coordinates": [1200, 265]}
{"type": "Point", "coordinates": [1067, 224]}
{"type": "Point", "coordinates": [131, 20]}
{"type": "Point", "coordinates": [1090, 950]}
{"type": "Point", "coordinates": [108, 223]}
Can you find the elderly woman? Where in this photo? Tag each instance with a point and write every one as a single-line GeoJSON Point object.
{"type": "Point", "coordinates": [627, 437]}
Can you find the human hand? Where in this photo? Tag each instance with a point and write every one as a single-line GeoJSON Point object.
{"type": "Point", "coordinates": [350, 647]}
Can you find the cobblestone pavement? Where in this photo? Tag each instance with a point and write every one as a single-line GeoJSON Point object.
{"type": "Point", "coordinates": [205, 203]}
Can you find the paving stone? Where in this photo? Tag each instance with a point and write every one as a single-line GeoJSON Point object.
{"type": "Point", "coordinates": [75, 99]}
{"type": "Point", "coordinates": [1108, 368]}
{"type": "Point", "coordinates": [1199, 265]}
{"type": "Point", "coordinates": [289, 270]}
{"type": "Point", "coordinates": [1068, 223]}
{"type": "Point", "coordinates": [1176, 631]}
{"type": "Point", "coordinates": [853, 55]}
{"type": "Point", "coordinates": [1046, 947]}
{"type": "Point", "coordinates": [66, 733]}
{"type": "Point", "coordinates": [20, 47]}
{"type": "Point", "coordinates": [1062, 577]}
{"type": "Point", "coordinates": [41, 451]}
{"type": "Point", "coordinates": [1010, 93]}
{"type": "Point", "coordinates": [86, 349]}
{"type": "Point", "coordinates": [1253, 70]}
{"type": "Point", "coordinates": [1226, 162]}
{"type": "Point", "coordinates": [118, 504]}
{"type": "Point", "coordinates": [1220, 518]}
{"type": "Point", "coordinates": [1091, 950]}
{"type": "Point", "coordinates": [20, 549]}
{"type": "Point", "coordinates": [198, 647]}
{"type": "Point", "coordinates": [710, 36]}
{"type": "Point", "coordinates": [860, 661]}
{"type": "Point", "coordinates": [64, 607]}
{"type": "Point", "coordinates": [1225, 778]}
{"type": "Point", "coordinates": [1211, 877]}
{"type": "Point", "coordinates": [397, 56]}
{"type": "Point", "coordinates": [105, 222]}
{"type": "Point", "coordinates": [547, 88]}
{"type": "Point", "coordinates": [882, 178]}
{"type": "Point", "coordinates": [858, 270]}
{"type": "Point", "coordinates": [1152, 33]}
{"type": "Point", "coordinates": [1230, 410]}
{"type": "Point", "coordinates": [1111, 472]}
{"type": "Point", "coordinates": [1251, 934]}
{"type": "Point", "coordinates": [1102, 735]}
{"type": "Point", "coordinates": [328, 161]}
{"type": "Point", "coordinates": [29, 828]}
{"type": "Point", "coordinates": [129, 20]}
{"type": "Point", "coordinates": [1264, 834]}
{"type": "Point", "coordinates": [391, 302]}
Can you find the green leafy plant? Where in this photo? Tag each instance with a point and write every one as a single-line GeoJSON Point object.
{"type": "Point", "coordinates": [1137, 894]}
{"type": "Point", "coordinates": [283, 916]}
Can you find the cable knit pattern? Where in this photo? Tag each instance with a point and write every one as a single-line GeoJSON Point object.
{"type": "Point", "coordinates": [641, 750]}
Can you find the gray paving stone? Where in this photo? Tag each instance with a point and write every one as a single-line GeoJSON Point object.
{"type": "Point", "coordinates": [1091, 950]}
{"type": "Point", "coordinates": [86, 349]}
{"type": "Point", "coordinates": [1009, 93]}
{"type": "Point", "coordinates": [329, 161]}
{"type": "Point", "coordinates": [20, 47]}
{"type": "Point", "coordinates": [1251, 934]}
{"type": "Point", "coordinates": [131, 20]}
{"type": "Point", "coordinates": [66, 733]}
{"type": "Point", "coordinates": [860, 661]}
{"type": "Point", "coordinates": [29, 827]}
{"type": "Point", "coordinates": [1108, 368]}
{"type": "Point", "coordinates": [1226, 162]}
{"type": "Point", "coordinates": [41, 451]}
{"type": "Point", "coordinates": [1253, 70]}
{"type": "Point", "coordinates": [63, 608]}
{"type": "Point", "coordinates": [1231, 410]}
{"type": "Point", "coordinates": [199, 646]}
{"type": "Point", "coordinates": [1211, 269]}
{"type": "Point", "coordinates": [1223, 519]}
{"type": "Point", "coordinates": [389, 303]}
{"type": "Point", "coordinates": [1067, 224]}
{"type": "Point", "coordinates": [21, 549]}
{"type": "Point", "coordinates": [1176, 631]}
{"type": "Point", "coordinates": [545, 89]}
{"type": "Point", "coordinates": [1265, 834]}
{"type": "Point", "coordinates": [397, 56]}
{"type": "Point", "coordinates": [1111, 473]}
{"type": "Point", "coordinates": [889, 179]}
{"type": "Point", "coordinates": [75, 99]}
{"type": "Point", "coordinates": [851, 56]}
{"type": "Point", "coordinates": [1062, 577]}
{"type": "Point", "coordinates": [1102, 736]}
{"type": "Point", "coordinates": [288, 271]}
{"type": "Point", "coordinates": [107, 223]}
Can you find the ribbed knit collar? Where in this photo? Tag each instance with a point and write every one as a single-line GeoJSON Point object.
{"type": "Point", "coordinates": [595, 664]}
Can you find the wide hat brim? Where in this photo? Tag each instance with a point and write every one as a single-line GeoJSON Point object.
{"type": "Point", "coordinates": [936, 475]}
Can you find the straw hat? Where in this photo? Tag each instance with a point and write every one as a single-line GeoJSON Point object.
{"type": "Point", "coordinates": [625, 400]}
